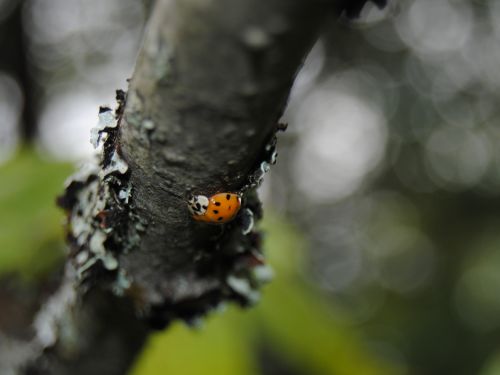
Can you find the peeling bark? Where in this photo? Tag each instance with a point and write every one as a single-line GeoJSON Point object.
{"type": "Point", "coordinates": [200, 117]}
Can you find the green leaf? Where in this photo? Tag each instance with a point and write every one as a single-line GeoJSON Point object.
{"type": "Point", "coordinates": [219, 348]}
{"type": "Point", "coordinates": [31, 231]}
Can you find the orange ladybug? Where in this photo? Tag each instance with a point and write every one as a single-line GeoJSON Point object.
{"type": "Point", "coordinates": [217, 209]}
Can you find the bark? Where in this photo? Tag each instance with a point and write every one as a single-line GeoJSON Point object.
{"type": "Point", "coordinates": [200, 117]}
{"type": "Point", "coordinates": [215, 90]}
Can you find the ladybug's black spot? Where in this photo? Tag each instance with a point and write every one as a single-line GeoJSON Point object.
{"type": "Point", "coordinates": [217, 203]}
{"type": "Point", "coordinates": [228, 197]}
{"type": "Point", "coordinates": [229, 208]}
{"type": "Point", "coordinates": [216, 212]}
{"type": "Point", "coordinates": [219, 219]}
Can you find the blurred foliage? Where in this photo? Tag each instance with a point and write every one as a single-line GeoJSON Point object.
{"type": "Point", "coordinates": [492, 367]}
{"type": "Point", "coordinates": [304, 332]}
{"type": "Point", "coordinates": [31, 231]}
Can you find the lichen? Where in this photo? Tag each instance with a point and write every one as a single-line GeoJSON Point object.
{"type": "Point", "coordinates": [148, 124]}
{"type": "Point", "coordinates": [162, 56]}
{"type": "Point", "coordinates": [116, 165]}
{"type": "Point", "coordinates": [269, 157]}
{"type": "Point", "coordinates": [122, 283]}
{"type": "Point", "coordinates": [101, 221]}
{"type": "Point", "coordinates": [262, 274]}
{"type": "Point", "coordinates": [256, 38]}
{"type": "Point", "coordinates": [125, 194]}
{"type": "Point", "coordinates": [243, 287]}
{"type": "Point", "coordinates": [247, 221]}
{"type": "Point", "coordinates": [107, 120]}
{"type": "Point", "coordinates": [135, 109]}
{"type": "Point", "coordinates": [247, 270]}
{"type": "Point", "coordinates": [48, 320]}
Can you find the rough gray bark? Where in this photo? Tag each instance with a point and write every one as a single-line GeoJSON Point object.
{"type": "Point", "coordinates": [215, 89]}
{"type": "Point", "coordinates": [200, 116]}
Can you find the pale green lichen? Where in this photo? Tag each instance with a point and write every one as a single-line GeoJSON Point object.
{"type": "Point", "coordinates": [256, 38]}
{"type": "Point", "coordinates": [96, 246]}
{"type": "Point", "coordinates": [247, 221]}
{"type": "Point", "coordinates": [82, 257]}
{"type": "Point", "coordinates": [84, 172]}
{"type": "Point", "coordinates": [125, 194]}
{"type": "Point", "coordinates": [96, 242]}
{"type": "Point", "coordinates": [134, 109]}
{"type": "Point", "coordinates": [262, 274]}
{"type": "Point", "coordinates": [148, 124]}
{"type": "Point", "coordinates": [109, 261]}
{"type": "Point", "coordinates": [85, 267]}
{"type": "Point", "coordinates": [173, 157]}
{"type": "Point", "coordinates": [121, 283]}
{"type": "Point", "coordinates": [88, 205]}
{"type": "Point", "coordinates": [161, 57]}
{"type": "Point", "coordinates": [243, 287]}
{"type": "Point", "coordinates": [91, 201]}
{"type": "Point", "coordinates": [107, 120]}
{"type": "Point", "coordinates": [49, 318]}
{"type": "Point", "coordinates": [116, 165]}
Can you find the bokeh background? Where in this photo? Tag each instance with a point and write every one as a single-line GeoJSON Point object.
{"type": "Point", "coordinates": [382, 214]}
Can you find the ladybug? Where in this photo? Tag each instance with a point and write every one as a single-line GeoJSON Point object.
{"type": "Point", "coordinates": [217, 209]}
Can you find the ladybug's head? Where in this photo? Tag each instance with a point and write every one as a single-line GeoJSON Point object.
{"type": "Point", "coordinates": [198, 205]}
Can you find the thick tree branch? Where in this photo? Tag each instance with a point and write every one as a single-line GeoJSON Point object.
{"type": "Point", "coordinates": [204, 102]}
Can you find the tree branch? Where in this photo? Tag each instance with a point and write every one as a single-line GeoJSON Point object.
{"type": "Point", "coordinates": [203, 104]}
